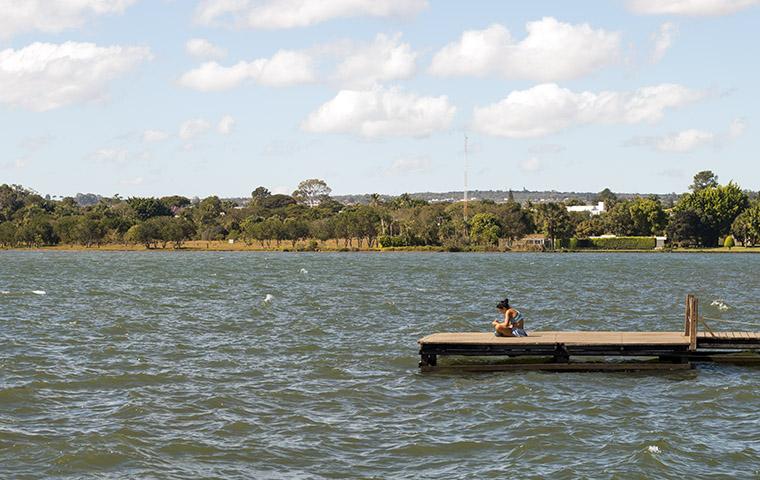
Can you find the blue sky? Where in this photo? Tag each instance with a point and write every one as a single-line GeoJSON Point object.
{"type": "Point", "coordinates": [159, 97]}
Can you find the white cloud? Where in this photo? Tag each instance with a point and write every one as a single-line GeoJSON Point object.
{"type": "Point", "coordinates": [553, 50]}
{"type": "Point", "coordinates": [193, 128]}
{"type": "Point", "coordinates": [687, 141]}
{"type": "Point", "coordinates": [409, 165]}
{"type": "Point", "coordinates": [133, 181]}
{"type": "Point", "coordinates": [546, 149]}
{"type": "Point", "coordinates": [386, 58]}
{"type": "Point", "coordinates": [736, 129]}
{"type": "Point", "coordinates": [359, 66]}
{"type": "Point", "coordinates": [286, 67]}
{"type": "Point", "coordinates": [202, 48]}
{"type": "Point", "coordinates": [533, 164]}
{"type": "Point", "coordinates": [381, 112]}
{"type": "Point", "coordinates": [52, 16]}
{"type": "Point", "coordinates": [110, 155]}
{"type": "Point", "coordinates": [44, 76]}
{"type": "Point", "coordinates": [151, 136]}
{"type": "Point", "coordinates": [663, 40]}
{"type": "Point", "coordinates": [547, 108]}
{"type": "Point", "coordinates": [226, 124]}
{"type": "Point", "coordinates": [689, 7]}
{"type": "Point", "coordinates": [274, 14]}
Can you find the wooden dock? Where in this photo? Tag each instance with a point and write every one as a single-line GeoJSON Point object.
{"type": "Point", "coordinates": [671, 348]}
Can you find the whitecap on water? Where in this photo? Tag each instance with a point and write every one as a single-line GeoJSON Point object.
{"type": "Point", "coordinates": [39, 292]}
{"type": "Point", "coordinates": [720, 304]}
{"type": "Point", "coordinates": [653, 449]}
{"type": "Point", "coordinates": [4, 292]}
{"type": "Point", "coordinates": [268, 298]}
{"type": "Point", "coordinates": [304, 271]}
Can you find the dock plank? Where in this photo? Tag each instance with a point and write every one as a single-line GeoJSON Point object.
{"type": "Point", "coordinates": [553, 338]}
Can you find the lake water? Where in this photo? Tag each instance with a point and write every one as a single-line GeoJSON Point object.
{"type": "Point", "coordinates": [240, 365]}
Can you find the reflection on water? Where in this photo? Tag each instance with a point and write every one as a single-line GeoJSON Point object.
{"type": "Point", "coordinates": [263, 365]}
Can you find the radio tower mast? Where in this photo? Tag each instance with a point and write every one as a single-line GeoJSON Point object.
{"type": "Point", "coordinates": [466, 164]}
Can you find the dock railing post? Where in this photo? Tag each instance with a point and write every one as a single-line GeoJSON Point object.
{"type": "Point", "coordinates": [686, 327]}
{"type": "Point", "coordinates": [693, 320]}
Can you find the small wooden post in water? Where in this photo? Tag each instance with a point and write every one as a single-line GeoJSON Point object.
{"type": "Point", "coordinates": [693, 320]}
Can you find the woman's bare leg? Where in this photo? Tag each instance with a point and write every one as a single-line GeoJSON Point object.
{"type": "Point", "coordinates": [504, 330]}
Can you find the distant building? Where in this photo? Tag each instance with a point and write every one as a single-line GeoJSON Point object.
{"type": "Point", "coordinates": [592, 209]}
{"type": "Point", "coordinates": [534, 241]}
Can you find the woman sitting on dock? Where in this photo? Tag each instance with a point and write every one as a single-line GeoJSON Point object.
{"type": "Point", "coordinates": [513, 324]}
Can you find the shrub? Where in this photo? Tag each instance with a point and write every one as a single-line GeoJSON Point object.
{"type": "Point", "coordinates": [729, 242]}
{"type": "Point", "coordinates": [623, 243]}
{"type": "Point", "coordinates": [386, 241]}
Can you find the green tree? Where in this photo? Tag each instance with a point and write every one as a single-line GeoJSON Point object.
{"type": "Point", "coordinates": [607, 197]}
{"type": "Point", "coordinates": [273, 229]}
{"type": "Point", "coordinates": [175, 202]}
{"type": "Point", "coordinates": [36, 230]}
{"type": "Point", "coordinates": [312, 192]}
{"type": "Point", "coordinates": [146, 233]}
{"type": "Point", "coordinates": [637, 217]}
{"type": "Point", "coordinates": [66, 229]}
{"type": "Point", "coordinates": [172, 230]}
{"type": "Point", "coordinates": [208, 211]}
{"type": "Point", "coordinates": [717, 208]}
{"type": "Point", "coordinates": [323, 229]}
{"type": "Point", "coordinates": [277, 201]}
{"type": "Point", "coordinates": [746, 227]}
{"type": "Point", "coordinates": [260, 194]}
{"type": "Point", "coordinates": [7, 234]}
{"type": "Point", "coordinates": [89, 231]}
{"type": "Point", "coordinates": [295, 229]}
{"type": "Point", "coordinates": [704, 179]}
{"type": "Point", "coordinates": [591, 227]}
{"type": "Point", "coordinates": [684, 228]}
{"type": "Point", "coordinates": [485, 229]}
{"type": "Point", "coordinates": [554, 221]}
{"type": "Point", "coordinates": [514, 220]}
{"type": "Point", "coordinates": [11, 200]}
{"type": "Point", "coordinates": [145, 208]}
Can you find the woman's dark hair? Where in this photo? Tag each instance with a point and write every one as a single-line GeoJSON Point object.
{"type": "Point", "coordinates": [503, 304]}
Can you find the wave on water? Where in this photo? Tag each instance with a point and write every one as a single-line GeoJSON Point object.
{"type": "Point", "coordinates": [39, 292]}
{"type": "Point", "coordinates": [304, 271]}
{"type": "Point", "coordinates": [4, 292]}
{"type": "Point", "coordinates": [720, 304]}
{"type": "Point", "coordinates": [653, 449]}
{"type": "Point", "coordinates": [268, 298]}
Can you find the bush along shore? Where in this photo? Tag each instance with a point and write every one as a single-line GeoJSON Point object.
{"type": "Point", "coordinates": [707, 216]}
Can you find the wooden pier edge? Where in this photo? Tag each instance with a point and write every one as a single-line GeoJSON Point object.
{"type": "Point", "coordinates": [561, 367]}
{"type": "Point", "coordinates": [675, 350]}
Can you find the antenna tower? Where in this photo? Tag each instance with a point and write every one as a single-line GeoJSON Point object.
{"type": "Point", "coordinates": [466, 165]}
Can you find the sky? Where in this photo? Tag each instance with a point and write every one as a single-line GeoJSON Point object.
{"type": "Point", "coordinates": [217, 97]}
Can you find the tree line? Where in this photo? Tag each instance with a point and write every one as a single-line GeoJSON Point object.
{"type": "Point", "coordinates": [701, 217]}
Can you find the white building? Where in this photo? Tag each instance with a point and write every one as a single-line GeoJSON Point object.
{"type": "Point", "coordinates": [592, 209]}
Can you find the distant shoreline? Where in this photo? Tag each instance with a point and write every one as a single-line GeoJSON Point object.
{"type": "Point", "coordinates": [225, 246]}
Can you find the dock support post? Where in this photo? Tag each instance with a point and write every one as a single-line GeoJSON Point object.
{"type": "Point", "coordinates": [428, 360]}
{"type": "Point", "coordinates": [561, 355]}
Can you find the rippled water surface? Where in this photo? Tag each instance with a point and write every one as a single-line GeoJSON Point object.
{"type": "Point", "coordinates": [262, 365]}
